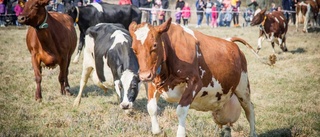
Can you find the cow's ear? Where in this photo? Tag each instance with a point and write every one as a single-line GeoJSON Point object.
{"type": "Point", "coordinates": [164, 26]}
{"type": "Point", "coordinates": [132, 27]}
{"type": "Point", "coordinates": [43, 2]}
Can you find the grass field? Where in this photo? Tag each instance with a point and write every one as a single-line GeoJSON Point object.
{"type": "Point", "coordinates": [286, 97]}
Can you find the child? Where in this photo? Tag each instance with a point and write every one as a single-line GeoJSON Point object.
{"type": "Point", "coordinates": [154, 14]}
{"type": "Point", "coordinates": [178, 15]}
{"type": "Point", "coordinates": [186, 14]}
{"type": "Point", "coordinates": [214, 15]}
{"type": "Point", "coordinates": [18, 10]}
{"type": "Point", "coordinates": [161, 16]}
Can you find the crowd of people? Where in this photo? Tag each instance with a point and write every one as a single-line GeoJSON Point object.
{"type": "Point", "coordinates": [217, 13]}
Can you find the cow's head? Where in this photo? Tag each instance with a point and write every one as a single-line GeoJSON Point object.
{"type": "Point", "coordinates": [129, 89]}
{"type": "Point", "coordinates": [34, 13]}
{"type": "Point", "coordinates": [258, 18]}
{"type": "Point", "coordinates": [148, 47]}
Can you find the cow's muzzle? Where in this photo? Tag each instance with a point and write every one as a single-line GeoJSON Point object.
{"type": "Point", "coordinates": [22, 19]}
{"type": "Point", "coordinates": [145, 76]}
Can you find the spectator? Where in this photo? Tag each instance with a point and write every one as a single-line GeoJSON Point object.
{"type": "Point", "coordinates": [18, 10]}
{"type": "Point", "coordinates": [228, 16]}
{"type": "Point", "coordinates": [2, 13]}
{"type": "Point", "coordinates": [178, 15]}
{"type": "Point", "coordinates": [154, 14]}
{"type": "Point", "coordinates": [161, 16]}
{"type": "Point", "coordinates": [208, 6]}
{"type": "Point", "coordinates": [253, 5]}
{"type": "Point", "coordinates": [214, 15]}
{"type": "Point", "coordinates": [293, 14]}
{"type": "Point", "coordinates": [145, 13]}
{"type": "Point", "coordinates": [186, 14]}
{"type": "Point", "coordinates": [273, 7]}
{"type": "Point", "coordinates": [165, 5]}
{"type": "Point", "coordinates": [222, 17]}
{"type": "Point", "coordinates": [135, 3]}
{"type": "Point", "coordinates": [180, 5]}
{"type": "Point", "coordinates": [125, 2]}
{"type": "Point", "coordinates": [286, 6]}
{"type": "Point", "coordinates": [200, 10]}
{"type": "Point", "coordinates": [235, 10]}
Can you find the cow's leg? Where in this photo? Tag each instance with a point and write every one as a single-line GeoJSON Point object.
{"type": "Point", "coordinates": [243, 94]}
{"type": "Point", "coordinates": [297, 20]}
{"type": "Point", "coordinates": [282, 43]}
{"type": "Point", "coordinates": [152, 107]}
{"type": "Point", "coordinates": [305, 24]}
{"type": "Point", "coordinates": [37, 73]}
{"type": "Point", "coordinates": [80, 46]}
{"type": "Point", "coordinates": [193, 87]}
{"type": "Point", "coordinates": [260, 43]}
{"type": "Point", "coordinates": [84, 79]}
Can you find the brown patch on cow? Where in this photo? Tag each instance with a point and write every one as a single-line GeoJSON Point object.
{"type": "Point", "coordinates": [204, 93]}
{"type": "Point", "coordinates": [218, 95]}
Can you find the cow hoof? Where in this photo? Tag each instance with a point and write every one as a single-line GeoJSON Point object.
{"type": "Point", "coordinates": [156, 131]}
{"type": "Point", "coordinates": [39, 100]}
{"type": "Point", "coordinates": [76, 102]}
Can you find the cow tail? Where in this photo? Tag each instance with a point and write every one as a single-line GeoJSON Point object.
{"type": "Point", "coordinates": [236, 39]}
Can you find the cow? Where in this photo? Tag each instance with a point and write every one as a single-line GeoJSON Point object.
{"type": "Point", "coordinates": [193, 69]}
{"type": "Point", "coordinates": [95, 13]}
{"type": "Point", "coordinates": [273, 26]}
{"type": "Point", "coordinates": [109, 58]}
{"type": "Point", "coordinates": [51, 40]}
{"type": "Point", "coordinates": [307, 11]}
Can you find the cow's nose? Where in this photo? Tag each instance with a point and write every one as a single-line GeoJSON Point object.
{"type": "Point", "coordinates": [145, 76]}
{"type": "Point", "coordinates": [21, 19]}
{"type": "Point", "coordinates": [124, 106]}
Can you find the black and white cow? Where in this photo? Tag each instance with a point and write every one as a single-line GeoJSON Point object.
{"type": "Point", "coordinates": [109, 58]}
{"type": "Point", "coordinates": [94, 13]}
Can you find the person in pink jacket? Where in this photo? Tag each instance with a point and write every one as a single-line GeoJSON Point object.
{"type": "Point", "coordinates": [18, 10]}
{"type": "Point", "coordinates": [186, 14]}
{"type": "Point", "coordinates": [214, 15]}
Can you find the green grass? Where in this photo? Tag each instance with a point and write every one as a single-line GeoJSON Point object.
{"type": "Point", "coordinates": [286, 97]}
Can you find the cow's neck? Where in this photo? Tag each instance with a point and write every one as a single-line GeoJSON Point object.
{"type": "Point", "coordinates": [44, 24]}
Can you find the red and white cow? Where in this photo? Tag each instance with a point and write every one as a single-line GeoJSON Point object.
{"type": "Point", "coordinates": [307, 11]}
{"type": "Point", "coordinates": [196, 70]}
{"type": "Point", "coordinates": [273, 27]}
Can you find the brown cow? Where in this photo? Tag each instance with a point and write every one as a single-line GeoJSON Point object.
{"type": "Point", "coordinates": [273, 27]}
{"type": "Point", "coordinates": [307, 11]}
{"type": "Point", "coordinates": [196, 70]}
{"type": "Point", "coordinates": [51, 40]}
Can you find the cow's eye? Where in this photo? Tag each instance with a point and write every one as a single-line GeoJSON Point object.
{"type": "Point", "coordinates": [154, 46]}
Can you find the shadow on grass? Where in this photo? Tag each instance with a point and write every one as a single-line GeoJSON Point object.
{"type": "Point", "coordinates": [140, 105]}
{"type": "Point", "coordinates": [298, 50]}
{"type": "Point", "coordinates": [282, 132]}
{"type": "Point", "coordinates": [91, 89]}
{"type": "Point", "coordinates": [314, 30]}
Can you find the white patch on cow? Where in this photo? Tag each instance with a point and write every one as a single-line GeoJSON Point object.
{"type": "Point", "coordinates": [119, 38]}
{"type": "Point", "coordinates": [126, 80]}
{"type": "Point", "coordinates": [260, 39]}
{"type": "Point", "coordinates": [117, 87]}
{"type": "Point", "coordinates": [97, 6]}
{"type": "Point", "coordinates": [142, 33]}
{"type": "Point", "coordinates": [276, 19]}
{"type": "Point", "coordinates": [100, 24]}
{"type": "Point", "coordinates": [208, 101]}
{"type": "Point", "coordinates": [284, 24]}
{"type": "Point", "coordinates": [202, 72]}
{"type": "Point", "coordinates": [198, 53]}
{"type": "Point", "coordinates": [193, 93]}
{"type": "Point", "coordinates": [182, 115]}
{"type": "Point", "coordinates": [228, 39]}
{"type": "Point", "coordinates": [256, 12]}
{"type": "Point", "coordinates": [178, 71]}
{"type": "Point", "coordinates": [186, 29]}
{"type": "Point", "coordinates": [152, 110]}
{"type": "Point", "coordinates": [174, 95]}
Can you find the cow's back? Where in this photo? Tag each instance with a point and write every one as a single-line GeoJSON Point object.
{"type": "Point", "coordinates": [220, 55]}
